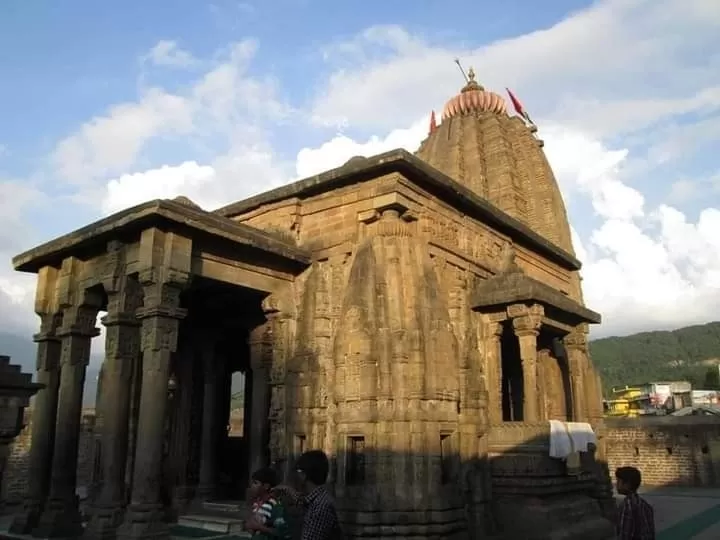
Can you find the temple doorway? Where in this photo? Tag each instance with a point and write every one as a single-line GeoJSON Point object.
{"type": "Point", "coordinates": [209, 441]}
{"type": "Point", "coordinates": [513, 391]}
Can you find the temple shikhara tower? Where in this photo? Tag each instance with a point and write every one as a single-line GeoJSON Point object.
{"type": "Point", "coordinates": [417, 317]}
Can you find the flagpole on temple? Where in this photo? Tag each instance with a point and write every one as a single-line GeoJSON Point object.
{"type": "Point", "coordinates": [522, 113]}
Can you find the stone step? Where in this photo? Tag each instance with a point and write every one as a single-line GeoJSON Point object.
{"type": "Point", "coordinates": [234, 507]}
{"type": "Point", "coordinates": [215, 523]}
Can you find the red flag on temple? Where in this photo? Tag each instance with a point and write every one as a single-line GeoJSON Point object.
{"type": "Point", "coordinates": [519, 108]}
{"type": "Point", "coordinates": [433, 123]}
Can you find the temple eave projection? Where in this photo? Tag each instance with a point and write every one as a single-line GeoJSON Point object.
{"type": "Point", "coordinates": [418, 318]}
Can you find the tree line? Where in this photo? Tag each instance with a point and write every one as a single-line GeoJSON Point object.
{"type": "Point", "coordinates": [691, 354]}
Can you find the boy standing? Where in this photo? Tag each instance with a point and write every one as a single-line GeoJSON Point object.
{"type": "Point", "coordinates": [636, 516]}
{"type": "Point", "coordinates": [267, 520]}
{"type": "Point", "coordinates": [320, 518]}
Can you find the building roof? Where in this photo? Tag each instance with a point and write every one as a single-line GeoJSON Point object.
{"type": "Point", "coordinates": [182, 213]}
{"type": "Point", "coordinates": [424, 175]}
{"type": "Point", "coordinates": [515, 286]}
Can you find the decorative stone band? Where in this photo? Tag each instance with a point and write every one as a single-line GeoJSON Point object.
{"type": "Point", "coordinates": [474, 100]}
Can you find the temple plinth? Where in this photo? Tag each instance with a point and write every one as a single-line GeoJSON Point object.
{"type": "Point", "coordinates": [417, 317]}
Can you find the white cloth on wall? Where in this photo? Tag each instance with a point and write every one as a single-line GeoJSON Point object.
{"type": "Point", "coordinates": [560, 447]}
{"type": "Point", "coordinates": [582, 435]}
{"type": "Point", "coordinates": [569, 437]}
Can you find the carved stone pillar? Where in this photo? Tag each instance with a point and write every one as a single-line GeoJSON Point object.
{"type": "Point", "coordinates": [214, 372]}
{"type": "Point", "coordinates": [133, 416]}
{"type": "Point", "coordinates": [576, 347]}
{"type": "Point", "coordinates": [279, 311]}
{"type": "Point", "coordinates": [122, 344]}
{"type": "Point", "coordinates": [42, 426]}
{"type": "Point", "coordinates": [260, 359]}
{"type": "Point", "coordinates": [181, 431]}
{"type": "Point", "coordinates": [526, 325]}
{"type": "Point", "coordinates": [495, 373]}
{"type": "Point", "coordinates": [160, 318]}
{"type": "Point", "coordinates": [543, 383]}
{"type": "Point", "coordinates": [61, 517]}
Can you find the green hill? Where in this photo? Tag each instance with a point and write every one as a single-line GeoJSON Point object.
{"type": "Point", "coordinates": [691, 353]}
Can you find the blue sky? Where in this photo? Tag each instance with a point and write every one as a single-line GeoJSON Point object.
{"type": "Point", "coordinates": [222, 99]}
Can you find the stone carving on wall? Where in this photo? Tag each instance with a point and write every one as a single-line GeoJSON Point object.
{"type": "Point", "coordinates": [468, 240]}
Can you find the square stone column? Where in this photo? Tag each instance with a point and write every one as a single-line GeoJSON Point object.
{"type": "Point", "coordinates": [495, 373]}
{"type": "Point", "coordinates": [42, 425]}
{"type": "Point", "coordinates": [526, 325]}
{"type": "Point", "coordinates": [122, 344]}
{"type": "Point", "coordinates": [61, 517]}
{"type": "Point", "coordinates": [576, 347]}
{"type": "Point", "coordinates": [181, 429]}
{"type": "Point", "coordinates": [160, 317]}
{"type": "Point", "coordinates": [260, 361]}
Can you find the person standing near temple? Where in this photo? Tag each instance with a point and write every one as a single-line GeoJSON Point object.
{"type": "Point", "coordinates": [636, 516]}
{"type": "Point", "coordinates": [267, 520]}
{"type": "Point", "coordinates": [320, 519]}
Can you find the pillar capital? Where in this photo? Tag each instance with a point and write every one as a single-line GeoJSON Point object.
{"type": "Point", "coordinates": [49, 324]}
{"type": "Point", "coordinates": [576, 340]}
{"type": "Point", "coordinates": [495, 330]}
{"type": "Point", "coordinates": [48, 342]}
{"type": "Point", "coordinates": [522, 310]}
{"type": "Point", "coordinates": [79, 320]}
{"type": "Point", "coordinates": [162, 291]}
{"type": "Point", "coordinates": [527, 325]}
{"type": "Point", "coordinates": [159, 330]}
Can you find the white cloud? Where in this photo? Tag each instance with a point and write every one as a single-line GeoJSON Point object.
{"type": "Point", "coordinates": [224, 105]}
{"type": "Point", "coordinates": [387, 77]}
{"type": "Point", "coordinates": [682, 190]}
{"type": "Point", "coordinates": [17, 291]}
{"type": "Point", "coordinates": [168, 53]}
{"type": "Point", "coordinates": [240, 173]}
{"type": "Point", "coordinates": [341, 148]}
{"type": "Point", "coordinates": [165, 182]}
{"type": "Point", "coordinates": [111, 143]}
{"type": "Point", "coordinates": [642, 270]}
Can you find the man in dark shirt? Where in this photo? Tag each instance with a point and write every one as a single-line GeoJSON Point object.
{"type": "Point", "coordinates": [320, 520]}
{"type": "Point", "coordinates": [636, 516]}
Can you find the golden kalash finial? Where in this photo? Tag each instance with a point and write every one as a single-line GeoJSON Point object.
{"type": "Point", "coordinates": [472, 84]}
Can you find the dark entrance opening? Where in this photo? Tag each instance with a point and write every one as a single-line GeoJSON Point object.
{"type": "Point", "coordinates": [233, 460]}
{"type": "Point", "coordinates": [512, 376]}
{"type": "Point", "coordinates": [220, 318]}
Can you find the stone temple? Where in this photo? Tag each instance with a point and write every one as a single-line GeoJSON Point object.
{"type": "Point", "coordinates": [418, 317]}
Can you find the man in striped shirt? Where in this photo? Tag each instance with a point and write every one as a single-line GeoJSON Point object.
{"type": "Point", "coordinates": [636, 516]}
{"type": "Point", "coordinates": [268, 515]}
{"type": "Point", "coordinates": [320, 518]}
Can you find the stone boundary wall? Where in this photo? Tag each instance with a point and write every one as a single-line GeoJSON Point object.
{"type": "Point", "coordinates": [16, 472]}
{"type": "Point", "coordinates": [669, 451]}
{"type": "Point", "coordinates": [15, 476]}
